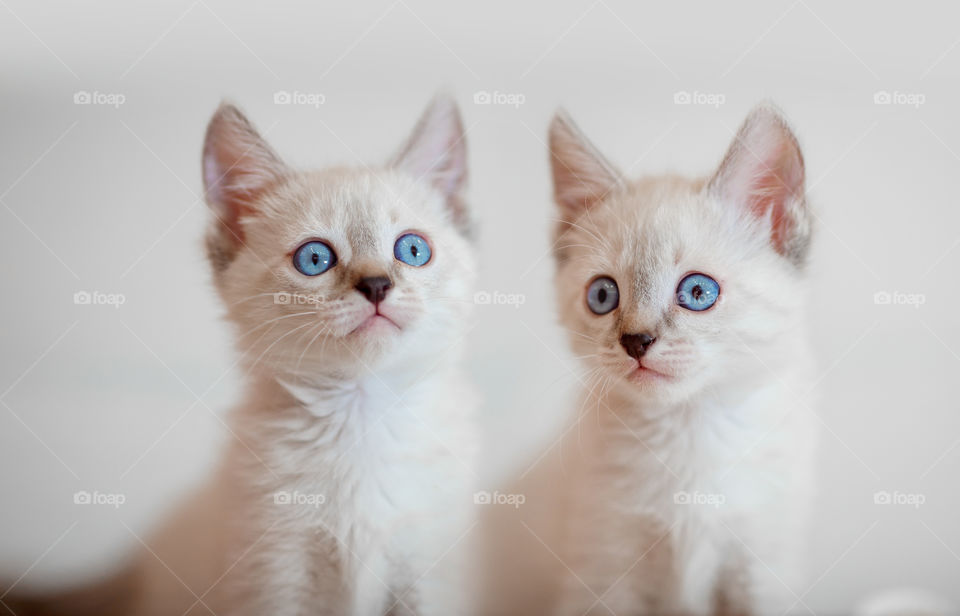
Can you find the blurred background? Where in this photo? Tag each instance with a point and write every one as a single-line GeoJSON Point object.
{"type": "Point", "coordinates": [116, 368]}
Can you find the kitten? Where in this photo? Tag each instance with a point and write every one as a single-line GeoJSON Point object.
{"type": "Point", "coordinates": [685, 298]}
{"type": "Point", "coordinates": [355, 446]}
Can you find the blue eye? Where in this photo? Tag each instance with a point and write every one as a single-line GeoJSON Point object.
{"type": "Point", "coordinates": [314, 258]}
{"type": "Point", "coordinates": [412, 250]}
{"type": "Point", "coordinates": [603, 295]}
{"type": "Point", "coordinates": [697, 292]}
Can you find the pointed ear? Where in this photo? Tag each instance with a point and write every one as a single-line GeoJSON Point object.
{"type": "Point", "coordinates": [238, 167]}
{"type": "Point", "coordinates": [436, 152]}
{"type": "Point", "coordinates": [582, 177]}
{"type": "Point", "coordinates": [763, 173]}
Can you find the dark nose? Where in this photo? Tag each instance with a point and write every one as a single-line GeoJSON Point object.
{"type": "Point", "coordinates": [374, 288]}
{"type": "Point", "coordinates": [636, 344]}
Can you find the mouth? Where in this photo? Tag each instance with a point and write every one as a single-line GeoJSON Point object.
{"type": "Point", "coordinates": [645, 374]}
{"type": "Point", "coordinates": [375, 322]}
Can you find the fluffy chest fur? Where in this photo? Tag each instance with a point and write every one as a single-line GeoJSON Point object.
{"type": "Point", "coordinates": [363, 486]}
{"type": "Point", "coordinates": [379, 449]}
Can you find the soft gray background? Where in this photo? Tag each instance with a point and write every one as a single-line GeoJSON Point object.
{"type": "Point", "coordinates": [97, 198]}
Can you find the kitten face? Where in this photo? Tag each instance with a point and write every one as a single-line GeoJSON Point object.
{"type": "Point", "coordinates": [362, 301]}
{"type": "Point", "coordinates": [707, 277]}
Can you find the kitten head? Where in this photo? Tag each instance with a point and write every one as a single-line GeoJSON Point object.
{"type": "Point", "coordinates": [331, 272]}
{"type": "Point", "coordinates": [675, 286]}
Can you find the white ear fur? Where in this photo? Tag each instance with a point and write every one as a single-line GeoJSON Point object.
{"type": "Point", "coordinates": [582, 177]}
{"type": "Point", "coordinates": [763, 173]}
{"type": "Point", "coordinates": [436, 151]}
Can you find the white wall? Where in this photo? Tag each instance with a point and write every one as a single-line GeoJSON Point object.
{"type": "Point", "coordinates": [102, 198]}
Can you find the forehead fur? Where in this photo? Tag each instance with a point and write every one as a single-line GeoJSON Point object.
{"type": "Point", "coordinates": [657, 223]}
{"type": "Point", "coordinates": [348, 201]}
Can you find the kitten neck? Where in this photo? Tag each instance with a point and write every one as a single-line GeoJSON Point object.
{"type": "Point", "coordinates": [325, 393]}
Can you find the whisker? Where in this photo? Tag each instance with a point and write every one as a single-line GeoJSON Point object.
{"type": "Point", "coordinates": [247, 299]}
{"type": "Point", "coordinates": [309, 344]}
{"type": "Point", "coordinates": [585, 230]}
{"type": "Point", "coordinates": [287, 316]}
{"type": "Point", "coordinates": [274, 343]}
{"type": "Point", "coordinates": [586, 337]}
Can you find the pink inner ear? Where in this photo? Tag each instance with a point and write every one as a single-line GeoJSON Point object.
{"type": "Point", "coordinates": [213, 182]}
{"type": "Point", "coordinates": [238, 167]}
{"type": "Point", "coordinates": [776, 180]}
{"type": "Point", "coordinates": [435, 151]}
{"type": "Point", "coordinates": [763, 172]}
{"type": "Point", "coordinates": [220, 173]}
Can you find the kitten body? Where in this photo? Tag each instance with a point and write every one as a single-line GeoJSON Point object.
{"type": "Point", "coordinates": [692, 466]}
{"type": "Point", "coordinates": [354, 456]}
{"type": "Point", "coordinates": [346, 488]}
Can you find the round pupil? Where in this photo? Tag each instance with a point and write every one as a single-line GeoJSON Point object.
{"type": "Point", "coordinates": [602, 295]}
{"type": "Point", "coordinates": [697, 292]}
{"type": "Point", "coordinates": [413, 250]}
{"type": "Point", "coordinates": [315, 258]}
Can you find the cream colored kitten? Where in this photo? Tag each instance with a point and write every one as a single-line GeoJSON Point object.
{"type": "Point", "coordinates": [354, 458]}
{"type": "Point", "coordinates": [685, 297]}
